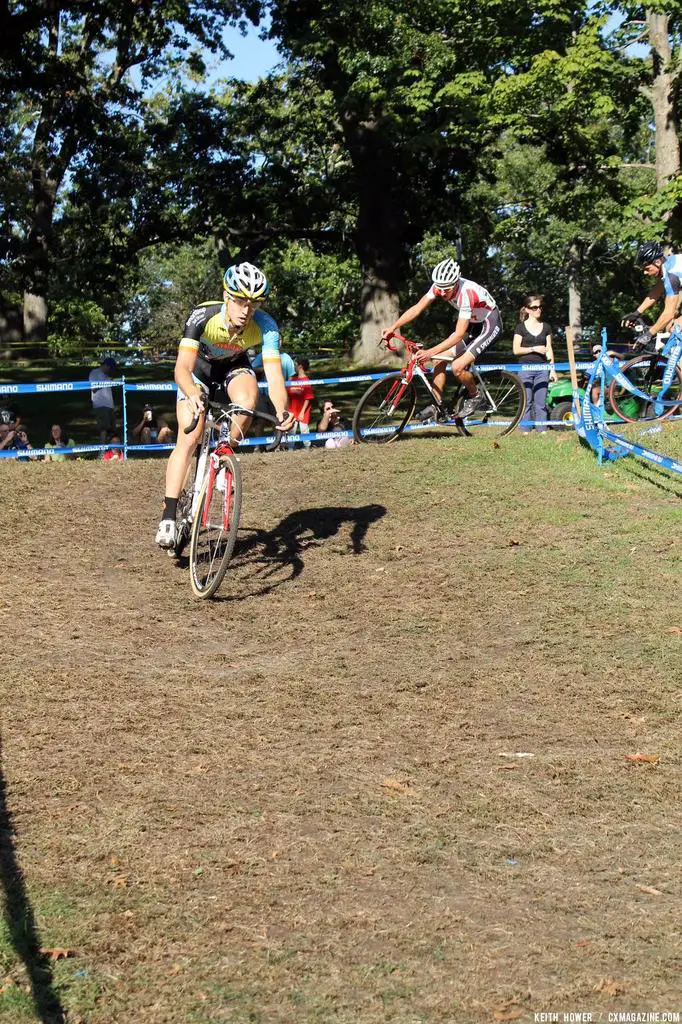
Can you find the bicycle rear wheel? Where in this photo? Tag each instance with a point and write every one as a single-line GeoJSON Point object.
{"type": "Point", "coordinates": [503, 407]}
{"type": "Point", "coordinates": [384, 410]}
{"type": "Point", "coordinates": [214, 530]}
{"type": "Point", "coordinates": [647, 378]}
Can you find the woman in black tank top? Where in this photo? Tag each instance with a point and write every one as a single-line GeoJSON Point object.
{"type": "Point", "coordinates": [533, 345]}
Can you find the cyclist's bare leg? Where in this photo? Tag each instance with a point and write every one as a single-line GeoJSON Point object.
{"type": "Point", "coordinates": [438, 382]}
{"type": "Point", "coordinates": [242, 390]}
{"type": "Point", "coordinates": [181, 456]}
{"type": "Point", "coordinates": [462, 374]}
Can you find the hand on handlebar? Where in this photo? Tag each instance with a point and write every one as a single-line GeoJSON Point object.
{"type": "Point", "coordinates": [642, 340]}
{"type": "Point", "coordinates": [286, 421]}
{"type": "Point", "coordinates": [423, 355]}
{"type": "Point", "coordinates": [195, 404]}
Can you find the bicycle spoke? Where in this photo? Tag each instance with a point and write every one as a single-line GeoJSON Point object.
{"type": "Point", "coordinates": [215, 528]}
{"type": "Point", "coordinates": [646, 379]}
{"type": "Point", "coordinates": [502, 409]}
{"type": "Point", "coordinates": [384, 410]}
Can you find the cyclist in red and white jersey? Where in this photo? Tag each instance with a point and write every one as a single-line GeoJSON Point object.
{"type": "Point", "coordinates": [478, 325]}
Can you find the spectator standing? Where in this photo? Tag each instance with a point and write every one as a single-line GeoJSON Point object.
{"type": "Point", "coordinates": [288, 365]}
{"type": "Point", "coordinates": [331, 421]}
{"type": "Point", "coordinates": [301, 397]}
{"type": "Point", "coordinates": [59, 438]}
{"type": "Point", "coordinates": [532, 344]}
{"type": "Point", "coordinates": [103, 400]}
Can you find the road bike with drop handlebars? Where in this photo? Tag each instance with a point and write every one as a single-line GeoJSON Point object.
{"type": "Point", "coordinates": [387, 407]}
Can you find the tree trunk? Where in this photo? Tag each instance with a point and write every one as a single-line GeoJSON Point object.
{"type": "Point", "coordinates": [574, 293]}
{"type": "Point", "coordinates": [38, 265]}
{"type": "Point", "coordinates": [379, 238]}
{"type": "Point", "coordinates": [46, 176]}
{"type": "Point", "coordinates": [663, 100]}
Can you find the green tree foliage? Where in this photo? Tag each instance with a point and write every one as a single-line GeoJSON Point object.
{"type": "Point", "coordinates": [76, 77]}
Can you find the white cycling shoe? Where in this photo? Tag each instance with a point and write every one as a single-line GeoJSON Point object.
{"type": "Point", "coordinates": [166, 534]}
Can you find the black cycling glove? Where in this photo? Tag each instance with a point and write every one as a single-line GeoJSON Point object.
{"type": "Point", "coordinates": [633, 319]}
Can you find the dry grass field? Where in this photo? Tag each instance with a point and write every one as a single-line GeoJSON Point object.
{"type": "Point", "coordinates": [418, 763]}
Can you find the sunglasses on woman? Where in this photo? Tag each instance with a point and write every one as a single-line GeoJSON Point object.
{"type": "Point", "coordinates": [537, 306]}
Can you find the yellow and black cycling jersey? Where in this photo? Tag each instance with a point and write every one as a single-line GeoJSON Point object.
{"type": "Point", "coordinates": [209, 332]}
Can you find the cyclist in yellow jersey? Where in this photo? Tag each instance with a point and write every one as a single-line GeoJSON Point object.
{"type": "Point", "coordinates": [213, 352]}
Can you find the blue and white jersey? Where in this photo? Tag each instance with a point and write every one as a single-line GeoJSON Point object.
{"type": "Point", "coordinates": [672, 274]}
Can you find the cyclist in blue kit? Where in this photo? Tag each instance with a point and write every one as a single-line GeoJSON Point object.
{"type": "Point", "coordinates": [668, 270]}
{"type": "Point", "coordinates": [213, 351]}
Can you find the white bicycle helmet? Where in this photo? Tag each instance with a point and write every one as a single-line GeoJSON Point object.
{"type": "Point", "coordinates": [244, 281]}
{"type": "Point", "coordinates": [446, 274]}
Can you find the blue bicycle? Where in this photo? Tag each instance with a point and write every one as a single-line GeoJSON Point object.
{"type": "Point", "coordinates": [654, 379]}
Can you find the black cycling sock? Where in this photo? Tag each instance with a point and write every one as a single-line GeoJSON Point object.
{"type": "Point", "coordinates": [170, 508]}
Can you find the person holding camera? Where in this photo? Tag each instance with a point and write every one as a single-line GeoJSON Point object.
{"type": "Point", "coordinates": [152, 429]}
{"type": "Point", "coordinates": [331, 421]}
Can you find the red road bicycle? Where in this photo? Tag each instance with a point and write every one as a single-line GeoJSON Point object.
{"type": "Point", "coordinates": [388, 405]}
{"type": "Point", "coordinates": [210, 505]}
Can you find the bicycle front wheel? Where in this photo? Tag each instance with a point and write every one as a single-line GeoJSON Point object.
{"type": "Point", "coordinates": [647, 378]}
{"type": "Point", "coordinates": [214, 530]}
{"type": "Point", "coordinates": [502, 408]}
{"type": "Point", "coordinates": [384, 410]}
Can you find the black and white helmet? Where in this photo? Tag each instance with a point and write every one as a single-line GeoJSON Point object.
{"type": "Point", "coordinates": [649, 252]}
{"type": "Point", "coordinates": [446, 274]}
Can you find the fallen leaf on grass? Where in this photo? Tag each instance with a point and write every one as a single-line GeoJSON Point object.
{"type": "Point", "coordinates": [641, 758]}
{"type": "Point", "coordinates": [514, 543]}
{"type": "Point", "coordinates": [57, 953]}
{"type": "Point", "coordinates": [648, 888]}
{"type": "Point", "coordinates": [117, 881]}
{"type": "Point", "coordinates": [609, 987]}
{"type": "Point", "coordinates": [175, 969]}
{"type": "Point", "coordinates": [508, 1010]}
{"type": "Point", "coordinates": [677, 630]}
{"type": "Point", "coordinates": [496, 444]}
{"type": "Point", "coordinates": [506, 767]}
{"type": "Point", "coordinates": [200, 769]}
{"type": "Point", "coordinates": [393, 786]}
{"type": "Point", "coordinates": [7, 984]}
{"type": "Point", "coordinates": [582, 943]}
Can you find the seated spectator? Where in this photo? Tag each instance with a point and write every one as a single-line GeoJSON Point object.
{"type": "Point", "coordinates": [331, 420]}
{"type": "Point", "coordinates": [301, 398]}
{"type": "Point", "coordinates": [152, 429]}
{"type": "Point", "coordinates": [113, 454]}
{"type": "Point", "coordinates": [59, 438]}
{"type": "Point", "coordinates": [13, 437]}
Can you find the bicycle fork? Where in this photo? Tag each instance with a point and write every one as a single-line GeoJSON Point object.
{"type": "Point", "coordinates": [218, 476]}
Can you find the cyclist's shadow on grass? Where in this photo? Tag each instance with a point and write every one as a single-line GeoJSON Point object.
{"type": "Point", "coordinates": [20, 920]}
{"type": "Point", "coordinates": [266, 559]}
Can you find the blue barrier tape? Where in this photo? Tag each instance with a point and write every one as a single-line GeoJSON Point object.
{"type": "Point", "coordinates": [364, 377]}
{"type": "Point", "coordinates": [70, 385]}
{"type": "Point", "coordinates": [78, 449]}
